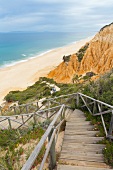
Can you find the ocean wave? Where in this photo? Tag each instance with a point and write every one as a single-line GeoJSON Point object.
{"type": "Point", "coordinates": [12, 63]}
{"type": "Point", "coordinates": [32, 56]}
{"type": "Point", "coordinates": [24, 55]}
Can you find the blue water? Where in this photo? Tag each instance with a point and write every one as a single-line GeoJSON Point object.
{"type": "Point", "coordinates": [17, 47]}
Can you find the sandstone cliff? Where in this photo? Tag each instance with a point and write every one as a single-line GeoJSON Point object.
{"type": "Point", "coordinates": [65, 71]}
{"type": "Point", "coordinates": [95, 57]}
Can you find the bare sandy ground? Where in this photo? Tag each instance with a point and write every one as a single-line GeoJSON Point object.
{"type": "Point", "coordinates": [22, 75]}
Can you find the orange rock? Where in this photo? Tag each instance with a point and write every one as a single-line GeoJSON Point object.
{"type": "Point", "coordinates": [98, 58]}
{"type": "Point", "coordinates": [65, 71]}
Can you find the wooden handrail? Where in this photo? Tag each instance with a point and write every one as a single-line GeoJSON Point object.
{"type": "Point", "coordinates": [28, 165]}
{"type": "Point", "coordinates": [38, 113]}
{"type": "Point", "coordinates": [96, 110]}
{"type": "Point", "coordinates": [98, 101]}
{"type": "Point", "coordinates": [99, 112]}
{"type": "Point", "coordinates": [77, 96]}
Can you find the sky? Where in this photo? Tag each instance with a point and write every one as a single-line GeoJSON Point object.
{"type": "Point", "coordinates": [55, 15]}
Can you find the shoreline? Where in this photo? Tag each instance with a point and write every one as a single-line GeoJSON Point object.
{"type": "Point", "coordinates": [13, 63]}
{"type": "Point", "coordinates": [25, 73]}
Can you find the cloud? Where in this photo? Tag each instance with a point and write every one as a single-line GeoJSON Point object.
{"type": "Point", "coordinates": [54, 15]}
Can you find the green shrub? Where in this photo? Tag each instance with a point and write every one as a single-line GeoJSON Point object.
{"type": "Point", "coordinates": [81, 52]}
{"type": "Point", "coordinates": [108, 153]}
{"type": "Point", "coordinates": [36, 91]}
{"type": "Point", "coordinates": [66, 58]}
{"type": "Point", "coordinates": [9, 142]}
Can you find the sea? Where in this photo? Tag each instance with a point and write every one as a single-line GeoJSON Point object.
{"type": "Point", "coordinates": [18, 47]}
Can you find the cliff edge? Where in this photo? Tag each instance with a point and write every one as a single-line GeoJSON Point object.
{"type": "Point", "coordinates": [95, 57]}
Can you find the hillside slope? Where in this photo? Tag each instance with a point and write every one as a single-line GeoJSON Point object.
{"type": "Point", "coordinates": [96, 56]}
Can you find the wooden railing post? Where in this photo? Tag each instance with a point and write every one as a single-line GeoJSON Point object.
{"type": "Point", "coordinates": [14, 110]}
{"type": "Point", "coordinates": [94, 107]}
{"type": "Point", "coordinates": [9, 121]}
{"type": "Point", "coordinates": [77, 98]}
{"type": "Point", "coordinates": [22, 119]}
{"type": "Point", "coordinates": [61, 100]}
{"type": "Point", "coordinates": [48, 104]}
{"type": "Point", "coordinates": [37, 106]}
{"type": "Point", "coordinates": [102, 120]}
{"type": "Point", "coordinates": [34, 117]}
{"type": "Point", "coordinates": [63, 114]}
{"type": "Point", "coordinates": [20, 109]}
{"type": "Point", "coordinates": [1, 110]}
{"type": "Point", "coordinates": [27, 111]}
{"type": "Point", "coordinates": [111, 125]}
{"type": "Point", "coordinates": [47, 113]}
{"type": "Point", "coordinates": [52, 153]}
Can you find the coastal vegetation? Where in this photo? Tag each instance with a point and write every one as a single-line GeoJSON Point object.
{"type": "Point", "coordinates": [37, 91]}
{"type": "Point", "coordinates": [101, 89]}
{"type": "Point", "coordinates": [17, 145]}
{"type": "Point", "coordinates": [108, 150]}
{"type": "Point", "coordinates": [66, 58]}
{"type": "Point", "coordinates": [82, 51]}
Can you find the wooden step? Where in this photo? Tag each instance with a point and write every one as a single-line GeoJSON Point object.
{"type": "Point", "coordinates": [79, 127]}
{"type": "Point", "coordinates": [83, 163]}
{"type": "Point", "coordinates": [89, 158]}
{"type": "Point", "coordinates": [78, 123]}
{"type": "Point", "coordinates": [77, 139]}
{"type": "Point", "coordinates": [79, 145]}
{"type": "Point", "coordinates": [81, 154]}
{"type": "Point", "coordinates": [76, 116]}
{"type": "Point", "coordinates": [76, 119]}
{"type": "Point", "coordinates": [76, 111]}
{"type": "Point", "coordinates": [87, 133]}
{"type": "Point", "coordinates": [70, 167]}
{"type": "Point", "coordinates": [81, 150]}
{"type": "Point", "coordinates": [75, 125]}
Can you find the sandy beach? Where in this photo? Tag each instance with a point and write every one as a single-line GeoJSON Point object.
{"type": "Point", "coordinates": [22, 75]}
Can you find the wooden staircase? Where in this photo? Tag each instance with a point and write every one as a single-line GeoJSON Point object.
{"type": "Point", "coordinates": [80, 149]}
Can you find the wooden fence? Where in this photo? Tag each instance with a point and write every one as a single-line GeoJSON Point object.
{"type": "Point", "coordinates": [55, 110]}
{"type": "Point", "coordinates": [98, 108]}
{"type": "Point", "coordinates": [21, 115]}
{"type": "Point", "coordinates": [95, 107]}
{"type": "Point", "coordinates": [24, 120]}
{"type": "Point", "coordinates": [51, 134]}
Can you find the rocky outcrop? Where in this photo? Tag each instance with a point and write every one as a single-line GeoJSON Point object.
{"type": "Point", "coordinates": [96, 57]}
{"type": "Point", "coordinates": [65, 71]}
{"type": "Point", "coordinates": [99, 55]}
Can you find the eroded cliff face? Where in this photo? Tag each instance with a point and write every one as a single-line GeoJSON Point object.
{"type": "Point", "coordinates": [99, 55]}
{"type": "Point", "coordinates": [96, 58]}
{"type": "Point", "coordinates": [65, 71]}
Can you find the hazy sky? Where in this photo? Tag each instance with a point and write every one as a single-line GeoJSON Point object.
{"type": "Point", "coordinates": [55, 15]}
